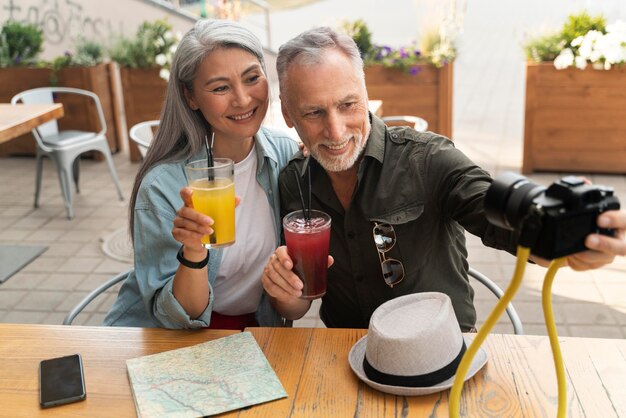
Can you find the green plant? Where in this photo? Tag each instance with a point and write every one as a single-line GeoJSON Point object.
{"type": "Point", "coordinates": [152, 39]}
{"type": "Point", "coordinates": [579, 24]}
{"type": "Point", "coordinates": [544, 48]}
{"type": "Point", "coordinates": [548, 47]}
{"type": "Point", "coordinates": [437, 48]}
{"type": "Point", "coordinates": [361, 35]}
{"type": "Point", "coordinates": [19, 44]}
{"type": "Point", "coordinates": [88, 53]}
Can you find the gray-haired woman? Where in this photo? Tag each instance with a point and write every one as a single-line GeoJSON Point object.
{"type": "Point", "coordinates": [217, 86]}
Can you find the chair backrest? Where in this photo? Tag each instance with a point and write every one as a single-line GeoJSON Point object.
{"type": "Point", "coordinates": [47, 95]}
{"type": "Point", "coordinates": [518, 328]}
{"type": "Point", "coordinates": [142, 134]}
{"type": "Point", "coordinates": [416, 123]}
{"type": "Point", "coordinates": [94, 294]}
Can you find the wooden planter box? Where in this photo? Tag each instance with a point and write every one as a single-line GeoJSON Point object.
{"type": "Point", "coordinates": [96, 79]}
{"type": "Point", "coordinates": [144, 93]}
{"type": "Point", "coordinates": [428, 94]}
{"type": "Point", "coordinates": [575, 120]}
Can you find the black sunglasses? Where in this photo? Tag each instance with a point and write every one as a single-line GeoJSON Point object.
{"type": "Point", "coordinates": [385, 239]}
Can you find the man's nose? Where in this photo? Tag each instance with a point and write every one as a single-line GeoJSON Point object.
{"type": "Point", "coordinates": [335, 126]}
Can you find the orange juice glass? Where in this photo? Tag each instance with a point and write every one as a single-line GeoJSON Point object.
{"type": "Point", "coordinates": [214, 195]}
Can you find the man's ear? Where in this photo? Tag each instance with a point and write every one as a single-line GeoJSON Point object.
{"type": "Point", "coordinates": [283, 109]}
{"type": "Point", "coordinates": [189, 98]}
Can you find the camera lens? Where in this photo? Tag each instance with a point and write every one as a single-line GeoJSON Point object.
{"type": "Point", "coordinates": [509, 198]}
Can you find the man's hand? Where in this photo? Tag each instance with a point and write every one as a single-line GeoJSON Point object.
{"type": "Point", "coordinates": [284, 286]}
{"type": "Point", "coordinates": [602, 248]}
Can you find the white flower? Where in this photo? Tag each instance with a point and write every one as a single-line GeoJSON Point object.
{"type": "Point", "coordinates": [164, 74]}
{"type": "Point", "coordinates": [160, 59]}
{"type": "Point", "coordinates": [578, 41]}
{"type": "Point", "coordinates": [564, 60]}
{"type": "Point", "coordinates": [581, 63]}
{"type": "Point", "coordinates": [168, 35]}
{"type": "Point", "coordinates": [173, 48]}
{"type": "Point", "coordinates": [618, 29]}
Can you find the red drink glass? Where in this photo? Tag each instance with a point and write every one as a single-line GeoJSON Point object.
{"type": "Point", "coordinates": [307, 245]}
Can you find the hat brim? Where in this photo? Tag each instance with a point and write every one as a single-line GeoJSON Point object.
{"type": "Point", "coordinates": [357, 353]}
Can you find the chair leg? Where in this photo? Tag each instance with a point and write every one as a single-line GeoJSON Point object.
{"type": "Point", "coordinates": [38, 170]}
{"type": "Point", "coordinates": [76, 172]}
{"type": "Point", "coordinates": [65, 176]}
{"type": "Point", "coordinates": [107, 156]}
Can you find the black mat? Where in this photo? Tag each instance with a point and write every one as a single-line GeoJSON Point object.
{"type": "Point", "coordinates": [14, 257]}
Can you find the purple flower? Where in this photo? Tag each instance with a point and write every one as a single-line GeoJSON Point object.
{"type": "Point", "coordinates": [417, 52]}
{"type": "Point", "coordinates": [414, 70]}
{"type": "Point", "coordinates": [18, 59]}
{"type": "Point", "coordinates": [403, 53]}
{"type": "Point", "coordinates": [68, 54]}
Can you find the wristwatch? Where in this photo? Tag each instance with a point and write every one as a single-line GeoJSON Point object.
{"type": "Point", "coordinates": [191, 264]}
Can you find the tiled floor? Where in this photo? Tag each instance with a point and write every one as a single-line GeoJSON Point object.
{"type": "Point", "coordinates": [488, 126]}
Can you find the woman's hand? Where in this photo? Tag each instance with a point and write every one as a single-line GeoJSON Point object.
{"type": "Point", "coordinates": [190, 225]}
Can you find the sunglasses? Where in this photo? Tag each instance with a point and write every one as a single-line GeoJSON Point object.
{"type": "Point", "coordinates": [385, 239]}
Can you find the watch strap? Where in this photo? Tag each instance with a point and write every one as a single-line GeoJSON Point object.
{"type": "Point", "coordinates": [191, 264]}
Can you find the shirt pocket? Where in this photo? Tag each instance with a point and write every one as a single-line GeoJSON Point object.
{"type": "Point", "coordinates": [410, 247]}
{"type": "Point", "coordinates": [400, 215]}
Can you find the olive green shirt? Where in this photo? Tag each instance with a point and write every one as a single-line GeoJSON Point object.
{"type": "Point", "coordinates": [430, 192]}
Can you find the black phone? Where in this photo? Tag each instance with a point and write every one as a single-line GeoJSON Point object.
{"type": "Point", "coordinates": [61, 381]}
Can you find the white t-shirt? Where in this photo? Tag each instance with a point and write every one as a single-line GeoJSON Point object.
{"type": "Point", "coordinates": [237, 288]}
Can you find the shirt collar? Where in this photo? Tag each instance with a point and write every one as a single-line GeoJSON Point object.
{"type": "Point", "coordinates": [375, 146]}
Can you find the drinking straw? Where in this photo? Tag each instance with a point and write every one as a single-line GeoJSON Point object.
{"type": "Point", "coordinates": [304, 213]}
{"type": "Point", "coordinates": [209, 155]}
{"type": "Point", "coordinates": [308, 174]}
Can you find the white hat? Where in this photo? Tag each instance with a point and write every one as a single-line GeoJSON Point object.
{"type": "Point", "coordinates": [413, 346]}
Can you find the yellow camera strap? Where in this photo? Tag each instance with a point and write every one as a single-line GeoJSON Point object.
{"type": "Point", "coordinates": [520, 266]}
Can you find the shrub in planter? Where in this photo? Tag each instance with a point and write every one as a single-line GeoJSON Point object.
{"type": "Point", "coordinates": [20, 44]}
{"type": "Point", "coordinates": [144, 68]}
{"type": "Point", "coordinates": [411, 80]}
{"type": "Point", "coordinates": [574, 80]}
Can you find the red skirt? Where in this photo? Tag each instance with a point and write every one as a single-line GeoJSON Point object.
{"type": "Point", "coordinates": [238, 322]}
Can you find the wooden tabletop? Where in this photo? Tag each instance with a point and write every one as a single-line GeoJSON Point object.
{"type": "Point", "coordinates": [104, 351]}
{"type": "Point", "coordinates": [22, 118]}
{"type": "Point", "coordinates": [518, 380]}
{"type": "Point", "coordinates": [312, 365]}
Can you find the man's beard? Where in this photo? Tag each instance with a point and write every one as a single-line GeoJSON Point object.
{"type": "Point", "coordinates": [345, 161]}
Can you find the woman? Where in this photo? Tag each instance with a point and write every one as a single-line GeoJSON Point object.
{"type": "Point", "coordinates": [217, 86]}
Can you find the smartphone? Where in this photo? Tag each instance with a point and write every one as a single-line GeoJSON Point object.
{"type": "Point", "coordinates": [61, 381]}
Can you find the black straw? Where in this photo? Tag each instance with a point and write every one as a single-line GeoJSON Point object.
{"type": "Point", "coordinates": [308, 174]}
{"type": "Point", "coordinates": [209, 155]}
{"type": "Point", "coordinates": [304, 214]}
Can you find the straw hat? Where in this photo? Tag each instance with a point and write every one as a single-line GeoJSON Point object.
{"type": "Point", "coordinates": [413, 346]}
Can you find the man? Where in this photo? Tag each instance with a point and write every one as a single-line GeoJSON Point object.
{"type": "Point", "coordinates": [399, 199]}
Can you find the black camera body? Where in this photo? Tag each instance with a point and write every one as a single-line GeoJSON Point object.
{"type": "Point", "coordinates": [553, 222]}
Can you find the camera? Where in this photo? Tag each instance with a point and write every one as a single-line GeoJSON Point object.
{"type": "Point", "coordinates": [554, 221]}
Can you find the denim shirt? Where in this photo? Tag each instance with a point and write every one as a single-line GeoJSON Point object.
{"type": "Point", "coordinates": [146, 298]}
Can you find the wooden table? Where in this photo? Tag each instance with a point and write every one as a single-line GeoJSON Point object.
{"type": "Point", "coordinates": [313, 366]}
{"type": "Point", "coordinates": [22, 118]}
{"type": "Point", "coordinates": [104, 351]}
{"type": "Point", "coordinates": [518, 380]}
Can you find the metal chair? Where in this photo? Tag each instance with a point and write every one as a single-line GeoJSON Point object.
{"type": "Point", "coordinates": [142, 134]}
{"type": "Point", "coordinates": [518, 328]}
{"type": "Point", "coordinates": [65, 147]}
{"type": "Point", "coordinates": [94, 294]}
{"type": "Point", "coordinates": [418, 124]}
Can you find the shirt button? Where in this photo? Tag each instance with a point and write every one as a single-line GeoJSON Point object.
{"type": "Point", "coordinates": [351, 235]}
{"type": "Point", "coordinates": [394, 136]}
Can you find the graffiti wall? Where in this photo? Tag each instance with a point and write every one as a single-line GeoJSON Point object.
{"type": "Point", "coordinates": [65, 21]}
